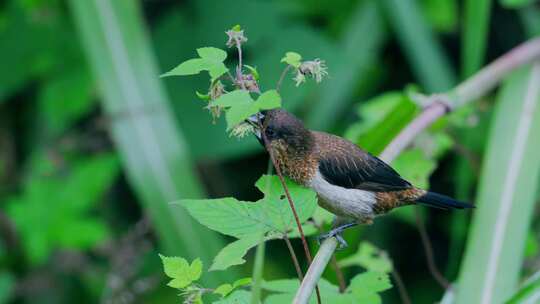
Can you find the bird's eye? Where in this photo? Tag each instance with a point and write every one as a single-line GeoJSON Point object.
{"type": "Point", "coordinates": [270, 133]}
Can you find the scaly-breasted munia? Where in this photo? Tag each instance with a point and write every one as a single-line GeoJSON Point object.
{"type": "Point", "coordinates": [350, 183]}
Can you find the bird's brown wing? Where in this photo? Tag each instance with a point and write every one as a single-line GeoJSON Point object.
{"type": "Point", "coordinates": [344, 164]}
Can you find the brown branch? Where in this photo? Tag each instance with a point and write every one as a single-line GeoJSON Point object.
{"type": "Point", "coordinates": [339, 274]}
{"type": "Point", "coordinates": [283, 74]}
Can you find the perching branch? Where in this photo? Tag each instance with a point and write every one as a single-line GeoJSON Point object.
{"type": "Point", "coordinates": [437, 105]}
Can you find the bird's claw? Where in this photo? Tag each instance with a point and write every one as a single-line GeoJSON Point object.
{"type": "Point", "coordinates": [334, 233]}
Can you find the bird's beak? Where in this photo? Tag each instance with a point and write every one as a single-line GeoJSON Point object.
{"type": "Point", "coordinates": [254, 121]}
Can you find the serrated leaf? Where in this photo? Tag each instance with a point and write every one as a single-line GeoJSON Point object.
{"type": "Point", "coordinates": [180, 271]}
{"type": "Point", "coordinates": [234, 98]}
{"type": "Point", "coordinates": [369, 257]}
{"type": "Point", "coordinates": [292, 58]}
{"type": "Point", "coordinates": [233, 253]}
{"type": "Point", "coordinates": [271, 214]}
{"type": "Point", "coordinates": [277, 207]}
{"type": "Point", "coordinates": [268, 100]}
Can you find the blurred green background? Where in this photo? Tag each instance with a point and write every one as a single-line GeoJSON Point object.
{"type": "Point", "coordinates": [93, 145]}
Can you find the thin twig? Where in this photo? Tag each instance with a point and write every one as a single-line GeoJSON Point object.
{"type": "Point", "coordinates": [294, 258]}
{"type": "Point", "coordinates": [403, 294]}
{"type": "Point", "coordinates": [475, 87]}
{"type": "Point", "coordinates": [339, 274]}
{"type": "Point", "coordinates": [428, 248]}
{"type": "Point", "coordinates": [283, 74]}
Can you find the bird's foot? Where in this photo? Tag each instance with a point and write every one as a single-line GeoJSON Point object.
{"type": "Point", "coordinates": [336, 232]}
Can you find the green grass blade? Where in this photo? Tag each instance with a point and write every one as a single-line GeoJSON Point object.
{"type": "Point", "coordinates": [152, 148]}
{"type": "Point", "coordinates": [425, 55]}
{"type": "Point", "coordinates": [529, 291]}
{"type": "Point", "coordinates": [475, 35]}
{"type": "Point", "coordinates": [506, 197]}
{"type": "Point", "coordinates": [361, 43]}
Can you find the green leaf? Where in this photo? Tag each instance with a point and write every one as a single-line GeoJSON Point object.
{"type": "Point", "coordinates": [223, 289]}
{"type": "Point", "coordinates": [232, 254]}
{"type": "Point", "coordinates": [415, 167]}
{"type": "Point", "coordinates": [528, 292]}
{"type": "Point", "coordinates": [366, 286]}
{"type": "Point", "coordinates": [369, 257]}
{"type": "Point", "coordinates": [226, 289]}
{"type": "Point", "coordinates": [441, 14]}
{"type": "Point", "coordinates": [271, 214]}
{"type": "Point", "coordinates": [507, 193]}
{"type": "Point", "coordinates": [201, 96]}
{"type": "Point", "coordinates": [70, 197]}
{"type": "Point", "coordinates": [234, 98]}
{"type": "Point", "coordinates": [212, 54]}
{"type": "Point", "coordinates": [237, 297]}
{"type": "Point", "coordinates": [268, 100]}
{"type": "Point", "coordinates": [239, 113]}
{"type": "Point", "coordinates": [180, 271]}
{"type": "Point", "coordinates": [383, 117]}
{"type": "Point", "coordinates": [253, 72]}
{"type": "Point", "coordinates": [211, 60]}
{"type": "Point", "coordinates": [293, 59]}
{"type": "Point", "coordinates": [236, 28]}
{"type": "Point", "coordinates": [242, 282]}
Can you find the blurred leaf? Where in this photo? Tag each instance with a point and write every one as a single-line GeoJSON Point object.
{"type": "Point", "coordinates": [154, 153]}
{"type": "Point", "coordinates": [369, 257]}
{"type": "Point", "coordinates": [475, 35]}
{"type": "Point", "coordinates": [66, 98]}
{"type": "Point", "coordinates": [532, 248]}
{"type": "Point", "coordinates": [211, 60]}
{"type": "Point", "coordinates": [7, 285]}
{"type": "Point", "coordinates": [233, 253]}
{"type": "Point", "coordinates": [426, 57]}
{"type": "Point", "coordinates": [441, 14]}
{"type": "Point", "coordinates": [528, 292]}
{"type": "Point", "coordinates": [506, 197]}
{"type": "Point", "coordinates": [180, 271]}
{"type": "Point", "coordinates": [66, 202]}
{"type": "Point", "coordinates": [415, 167]}
{"type": "Point", "coordinates": [382, 118]}
{"type": "Point", "coordinates": [530, 18]}
{"type": "Point", "coordinates": [516, 3]}
{"type": "Point", "coordinates": [366, 286]}
{"type": "Point", "coordinates": [292, 58]}
{"type": "Point", "coordinates": [241, 106]}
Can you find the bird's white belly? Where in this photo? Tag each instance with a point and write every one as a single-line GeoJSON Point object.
{"type": "Point", "coordinates": [353, 203]}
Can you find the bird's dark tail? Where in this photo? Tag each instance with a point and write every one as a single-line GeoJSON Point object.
{"type": "Point", "coordinates": [440, 201]}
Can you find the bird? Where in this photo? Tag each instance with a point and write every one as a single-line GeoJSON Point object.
{"type": "Point", "coordinates": [351, 183]}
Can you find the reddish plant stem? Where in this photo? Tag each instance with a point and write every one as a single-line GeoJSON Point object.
{"type": "Point", "coordinates": [405, 299]}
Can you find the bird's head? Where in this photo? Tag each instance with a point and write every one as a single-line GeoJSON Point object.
{"type": "Point", "coordinates": [282, 130]}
